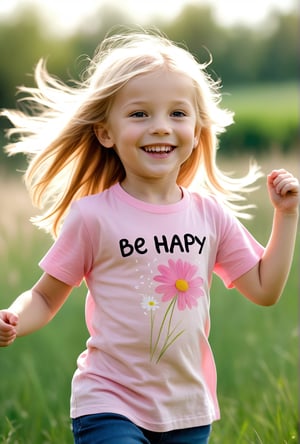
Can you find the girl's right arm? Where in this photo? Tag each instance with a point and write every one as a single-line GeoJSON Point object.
{"type": "Point", "coordinates": [32, 309]}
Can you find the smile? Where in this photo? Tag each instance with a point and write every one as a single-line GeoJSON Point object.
{"type": "Point", "coordinates": [158, 149]}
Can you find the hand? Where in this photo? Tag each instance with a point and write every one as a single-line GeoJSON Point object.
{"type": "Point", "coordinates": [283, 190]}
{"type": "Point", "coordinates": [8, 323]}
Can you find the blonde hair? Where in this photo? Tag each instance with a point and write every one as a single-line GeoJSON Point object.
{"type": "Point", "coordinates": [56, 127]}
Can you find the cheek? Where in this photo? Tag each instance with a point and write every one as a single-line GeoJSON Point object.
{"type": "Point", "coordinates": [126, 138]}
{"type": "Point", "coordinates": [131, 133]}
{"type": "Point", "coordinates": [189, 135]}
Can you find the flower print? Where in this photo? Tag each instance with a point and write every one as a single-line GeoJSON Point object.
{"type": "Point", "coordinates": [179, 280]}
{"type": "Point", "coordinates": [149, 303]}
{"type": "Point", "coordinates": [179, 286]}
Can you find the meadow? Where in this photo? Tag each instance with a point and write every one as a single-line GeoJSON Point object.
{"type": "Point", "coordinates": [256, 348]}
{"type": "Point", "coordinates": [266, 117]}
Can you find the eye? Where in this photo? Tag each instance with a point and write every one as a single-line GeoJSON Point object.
{"type": "Point", "coordinates": [178, 113]}
{"type": "Point", "coordinates": [138, 114]}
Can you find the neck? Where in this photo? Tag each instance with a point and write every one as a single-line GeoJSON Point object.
{"type": "Point", "coordinates": [154, 193]}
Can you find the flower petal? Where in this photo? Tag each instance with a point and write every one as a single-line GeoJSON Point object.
{"type": "Point", "coordinates": [179, 271]}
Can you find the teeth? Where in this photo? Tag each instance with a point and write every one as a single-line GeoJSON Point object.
{"type": "Point", "coordinates": [157, 149]}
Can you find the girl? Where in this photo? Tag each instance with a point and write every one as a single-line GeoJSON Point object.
{"type": "Point", "coordinates": [112, 159]}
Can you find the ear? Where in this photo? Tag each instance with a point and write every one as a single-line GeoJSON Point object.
{"type": "Point", "coordinates": [103, 135]}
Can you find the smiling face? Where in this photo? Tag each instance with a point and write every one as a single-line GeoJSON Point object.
{"type": "Point", "coordinates": [152, 127]}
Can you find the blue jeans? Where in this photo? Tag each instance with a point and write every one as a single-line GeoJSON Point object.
{"type": "Point", "coordinates": [110, 428]}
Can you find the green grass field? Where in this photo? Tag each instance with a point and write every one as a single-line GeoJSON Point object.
{"type": "Point", "coordinates": [279, 100]}
{"type": "Point", "coordinates": [265, 115]}
{"type": "Point", "coordinates": [256, 348]}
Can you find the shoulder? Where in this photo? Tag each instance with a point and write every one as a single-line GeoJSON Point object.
{"type": "Point", "coordinates": [91, 200]}
{"type": "Point", "coordinates": [209, 203]}
{"type": "Point", "coordinates": [85, 213]}
{"type": "Point", "coordinates": [218, 217]}
{"type": "Point", "coordinates": [91, 204]}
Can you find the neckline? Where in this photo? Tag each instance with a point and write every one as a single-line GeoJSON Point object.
{"type": "Point", "coordinates": [150, 207]}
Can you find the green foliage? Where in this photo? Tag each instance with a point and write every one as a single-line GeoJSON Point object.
{"type": "Point", "coordinates": [281, 52]}
{"type": "Point", "coordinates": [266, 117]}
{"type": "Point", "coordinates": [240, 54]}
{"type": "Point", "coordinates": [256, 353]}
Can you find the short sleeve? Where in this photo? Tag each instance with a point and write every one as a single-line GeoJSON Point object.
{"type": "Point", "coordinates": [71, 256]}
{"type": "Point", "coordinates": [238, 252]}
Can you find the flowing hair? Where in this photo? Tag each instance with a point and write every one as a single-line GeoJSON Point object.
{"type": "Point", "coordinates": [55, 127]}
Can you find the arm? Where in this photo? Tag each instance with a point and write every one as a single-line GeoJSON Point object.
{"type": "Point", "coordinates": [264, 284]}
{"type": "Point", "coordinates": [32, 309]}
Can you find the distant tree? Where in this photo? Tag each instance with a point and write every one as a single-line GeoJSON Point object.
{"type": "Point", "coordinates": [240, 60]}
{"type": "Point", "coordinates": [22, 43]}
{"type": "Point", "coordinates": [240, 54]}
{"type": "Point", "coordinates": [197, 29]}
{"type": "Point", "coordinates": [281, 50]}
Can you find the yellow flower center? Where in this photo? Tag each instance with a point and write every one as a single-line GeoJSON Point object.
{"type": "Point", "coordinates": [182, 285]}
{"type": "Point", "coordinates": [151, 303]}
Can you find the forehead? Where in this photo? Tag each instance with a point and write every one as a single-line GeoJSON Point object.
{"type": "Point", "coordinates": [158, 84]}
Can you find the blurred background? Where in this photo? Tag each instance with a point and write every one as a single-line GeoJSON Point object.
{"type": "Point", "coordinates": [254, 45]}
{"type": "Point", "coordinates": [255, 50]}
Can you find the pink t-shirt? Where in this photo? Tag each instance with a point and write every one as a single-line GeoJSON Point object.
{"type": "Point", "coordinates": [148, 269]}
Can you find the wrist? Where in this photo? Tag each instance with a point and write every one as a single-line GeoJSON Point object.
{"type": "Point", "coordinates": [292, 213]}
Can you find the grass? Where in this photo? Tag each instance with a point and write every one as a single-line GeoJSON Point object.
{"type": "Point", "coordinates": [277, 101]}
{"type": "Point", "coordinates": [265, 114]}
{"type": "Point", "coordinates": [256, 348]}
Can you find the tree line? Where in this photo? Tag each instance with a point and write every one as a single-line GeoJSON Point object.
{"type": "Point", "coordinates": [240, 54]}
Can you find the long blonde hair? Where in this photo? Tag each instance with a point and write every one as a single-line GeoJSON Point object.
{"type": "Point", "coordinates": [56, 128]}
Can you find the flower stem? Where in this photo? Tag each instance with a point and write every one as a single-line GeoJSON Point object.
{"type": "Point", "coordinates": [171, 305]}
{"type": "Point", "coordinates": [151, 332]}
{"type": "Point", "coordinates": [167, 345]}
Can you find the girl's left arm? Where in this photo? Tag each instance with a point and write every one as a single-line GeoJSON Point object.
{"type": "Point", "coordinates": [264, 283]}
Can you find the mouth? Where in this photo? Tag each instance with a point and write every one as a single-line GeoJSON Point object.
{"type": "Point", "coordinates": [160, 149]}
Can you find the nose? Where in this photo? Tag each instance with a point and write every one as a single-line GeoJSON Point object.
{"type": "Point", "coordinates": [160, 126]}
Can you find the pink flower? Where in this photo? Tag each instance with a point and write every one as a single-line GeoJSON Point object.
{"type": "Point", "coordinates": [178, 279]}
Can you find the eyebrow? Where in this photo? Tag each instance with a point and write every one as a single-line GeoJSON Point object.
{"type": "Point", "coordinates": [146, 102]}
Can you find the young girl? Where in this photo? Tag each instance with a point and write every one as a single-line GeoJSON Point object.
{"type": "Point", "coordinates": [111, 159]}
